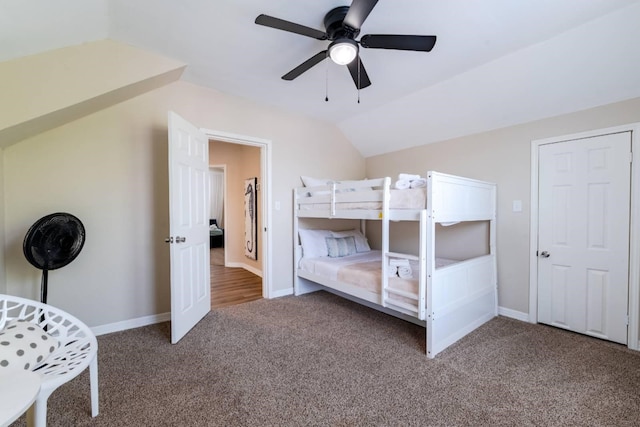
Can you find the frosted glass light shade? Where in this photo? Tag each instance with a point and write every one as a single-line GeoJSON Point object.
{"type": "Point", "coordinates": [343, 51]}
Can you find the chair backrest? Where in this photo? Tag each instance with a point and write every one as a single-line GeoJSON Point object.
{"type": "Point", "coordinates": [213, 221]}
{"type": "Point", "coordinates": [78, 343]}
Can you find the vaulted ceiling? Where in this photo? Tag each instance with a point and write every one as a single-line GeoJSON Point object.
{"type": "Point", "coordinates": [496, 62]}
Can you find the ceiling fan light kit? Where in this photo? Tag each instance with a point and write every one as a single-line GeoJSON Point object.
{"type": "Point", "coordinates": [343, 51]}
{"type": "Point", "coordinates": [342, 26]}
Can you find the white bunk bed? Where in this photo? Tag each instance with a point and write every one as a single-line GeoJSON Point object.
{"type": "Point", "coordinates": [450, 299]}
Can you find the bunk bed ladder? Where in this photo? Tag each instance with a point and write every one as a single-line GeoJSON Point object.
{"type": "Point", "coordinates": [417, 306]}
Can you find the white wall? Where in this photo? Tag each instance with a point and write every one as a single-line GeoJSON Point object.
{"type": "Point", "coordinates": [110, 170]}
{"type": "Point", "coordinates": [3, 283]}
{"type": "Point", "coordinates": [34, 26]}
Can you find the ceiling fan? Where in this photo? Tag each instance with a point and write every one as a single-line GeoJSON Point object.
{"type": "Point", "coordinates": [342, 26]}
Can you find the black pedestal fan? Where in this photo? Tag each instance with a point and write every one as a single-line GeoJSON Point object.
{"type": "Point", "coordinates": [53, 242]}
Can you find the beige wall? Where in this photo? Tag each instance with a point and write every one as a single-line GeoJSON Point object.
{"type": "Point", "coordinates": [503, 156]}
{"type": "Point", "coordinates": [41, 92]}
{"type": "Point", "coordinates": [3, 283]}
{"type": "Point", "coordinates": [241, 162]}
{"type": "Point", "coordinates": [110, 170]}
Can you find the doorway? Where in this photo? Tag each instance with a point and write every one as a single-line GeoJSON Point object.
{"type": "Point", "coordinates": [235, 278]}
{"type": "Point", "coordinates": [583, 273]}
{"type": "Point", "coordinates": [188, 152]}
{"type": "Point", "coordinates": [229, 285]}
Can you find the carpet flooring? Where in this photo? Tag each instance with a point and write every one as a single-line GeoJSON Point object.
{"type": "Point", "coordinates": [319, 360]}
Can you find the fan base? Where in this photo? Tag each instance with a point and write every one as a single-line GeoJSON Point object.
{"type": "Point", "coordinates": [333, 24]}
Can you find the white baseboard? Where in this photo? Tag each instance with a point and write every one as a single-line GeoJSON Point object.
{"type": "Point", "coordinates": [514, 314]}
{"type": "Point", "coordinates": [131, 323]}
{"type": "Point", "coordinates": [246, 267]}
{"type": "Point", "coordinates": [281, 293]}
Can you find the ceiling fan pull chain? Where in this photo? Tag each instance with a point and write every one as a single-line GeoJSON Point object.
{"type": "Point", "coordinates": [326, 87]}
{"type": "Point", "coordinates": [359, 79]}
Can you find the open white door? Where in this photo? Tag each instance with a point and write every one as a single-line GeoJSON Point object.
{"type": "Point", "coordinates": [188, 225]}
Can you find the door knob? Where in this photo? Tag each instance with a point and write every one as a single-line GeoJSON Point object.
{"type": "Point", "coordinates": [168, 239]}
{"type": "Point", "coordinates": [545, 254]}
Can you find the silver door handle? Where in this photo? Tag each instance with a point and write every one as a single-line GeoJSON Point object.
{"type": "Point", "coordinates": [168, 239]}
{"type": "Point", "coordinates": [545, 254]}
{"type": "Point", "coordinates": [180, 239]}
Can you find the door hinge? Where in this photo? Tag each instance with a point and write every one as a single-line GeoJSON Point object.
{"type": "Point", "coordinates": [631, 157]}
{"type": "Point", "coordinates": [627, 320]}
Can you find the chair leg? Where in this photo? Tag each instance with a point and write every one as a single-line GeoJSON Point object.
{"type": "Point", "coordinates": [37, 413]}
{"type": "Point", "coordinates": [93, 379]}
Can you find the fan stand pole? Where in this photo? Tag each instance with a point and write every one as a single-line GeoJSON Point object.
{"type": "Point", "coordinates": [43, 286]}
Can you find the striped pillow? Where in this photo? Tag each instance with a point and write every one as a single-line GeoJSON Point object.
{"type": "Point", "coordinates": [340, 246]}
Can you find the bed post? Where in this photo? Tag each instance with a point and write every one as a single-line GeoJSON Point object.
{"type": "Point", "coordinates": [429, 247]}
{"type": "Point", "coordinates": [385, 240]}
{"type": "Point", "coordinates": [422, 255]}
{"type": "Point", "coordinates": [492, 247]}
{"type": "Point", "coordinates": [295, 242]}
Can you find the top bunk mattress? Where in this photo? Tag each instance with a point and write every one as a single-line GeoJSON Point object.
{"type": "Point", "coordinates": [411, 198]}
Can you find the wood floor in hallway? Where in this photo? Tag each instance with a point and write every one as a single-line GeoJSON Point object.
{"type": "Point", "coordinates": [230, 286]}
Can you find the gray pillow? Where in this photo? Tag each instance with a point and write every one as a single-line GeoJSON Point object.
{"type": "Point", "coordinates": [340, 246]}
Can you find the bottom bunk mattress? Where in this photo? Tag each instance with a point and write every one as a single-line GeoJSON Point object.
{"type": "Point", "coordinates": [363, 270]}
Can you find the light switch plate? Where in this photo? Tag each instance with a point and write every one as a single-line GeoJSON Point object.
{"type": "Point", "coordinates": [517, 205]}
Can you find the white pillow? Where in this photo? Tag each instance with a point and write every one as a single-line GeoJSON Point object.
{"type": "Point", "coordinates": [313, 242]}
{"type": "Point", "coordinates": [307, 181]}
{"type": "Point", "coordinates": [23, 345]}
{"type": "Point", "coordinates": [355, 189]}
{"type": "Point", "coordinates": [362, 244]}
{"type": "Point", "coordinates": [341, 246]}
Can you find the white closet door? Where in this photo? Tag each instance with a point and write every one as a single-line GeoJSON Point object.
{"type": "Point", "coordinates": [583, 241]}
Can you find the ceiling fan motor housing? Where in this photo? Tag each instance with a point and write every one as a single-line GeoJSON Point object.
{"type": "Point", "coordinates": [333, 24]}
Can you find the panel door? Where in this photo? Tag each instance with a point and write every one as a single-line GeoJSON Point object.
{"type": "Point", "coordinates": [583, 241]}
{"type": "Point", "coordinates": [189, 225]}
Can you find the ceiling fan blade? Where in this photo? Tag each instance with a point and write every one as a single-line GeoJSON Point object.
{"type": "Point", "coordinates": [281, 24]}
{"type": "Point", "coordinates": [398, 42]}
{"type": "Point", "coordinates": [362, 77]}
{"type": "Point", "coordinates": [358, 12]}
{"type": "Point", "coordinates": [306, 65]}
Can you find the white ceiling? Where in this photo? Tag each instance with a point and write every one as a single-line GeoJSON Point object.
{"type": "Point", "coordinates": [496, 62]}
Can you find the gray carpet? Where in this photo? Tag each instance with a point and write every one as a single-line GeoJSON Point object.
{"type": "Point", "coordinates": [322, 360]}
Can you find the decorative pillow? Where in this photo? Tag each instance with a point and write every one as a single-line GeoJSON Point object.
{"type": "Point", "coordinates": [313, 243]}
{"type": "Point", "coordinates": [362, 244]}
{"type": "Point", "coordinates": [23, 345]}
{"type": "Point", "coordinates": [341, 246]}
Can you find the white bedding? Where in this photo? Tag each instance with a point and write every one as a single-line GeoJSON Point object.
{"type": "Point", "coordinates": [414, 198]}
{"type": "Point", "coordinates": [363, 270]}
{"type": "Point", "coordinates": [328, 267]}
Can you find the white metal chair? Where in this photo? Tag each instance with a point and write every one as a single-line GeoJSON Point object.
{"type": "Point", "coordinates": [78, 349]}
